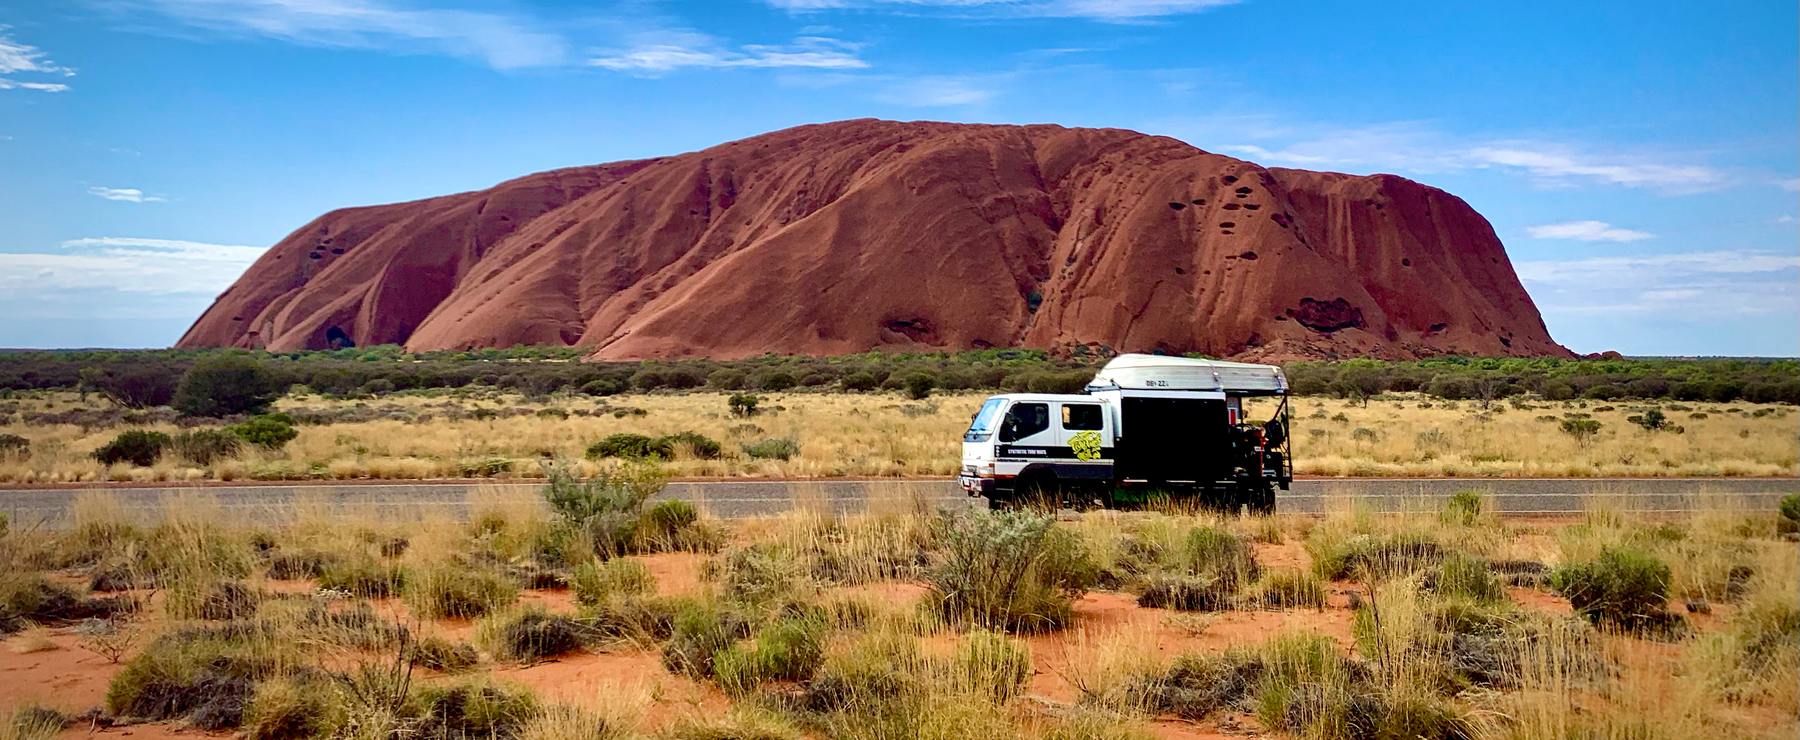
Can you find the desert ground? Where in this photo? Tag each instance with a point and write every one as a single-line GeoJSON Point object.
{"type": "Point", "coordinates": [484, 432]}
{"type": "Point", "coordinates": [583, 614]}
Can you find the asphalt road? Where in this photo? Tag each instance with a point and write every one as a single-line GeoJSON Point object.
{"type": "Point", "coordinates": [747, 498]}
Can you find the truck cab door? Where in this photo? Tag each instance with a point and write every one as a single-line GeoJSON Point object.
{"type": "Point", "coordinates": [1082, 431]}
{"type": "Point", "coordinates": [1026, 432]}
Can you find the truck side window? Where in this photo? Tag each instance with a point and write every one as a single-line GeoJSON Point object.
{"type": "Point", "coordinates": [1080, 416]}
{"type": "Point", "coordinates": [1024, 420]}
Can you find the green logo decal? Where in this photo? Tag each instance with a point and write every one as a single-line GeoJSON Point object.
{"type": "Point", "coordinates": [1086, 445]}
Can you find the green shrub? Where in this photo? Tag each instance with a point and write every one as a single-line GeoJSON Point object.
{"type": "Point", "coordinates": [222, 385]}
{"type": "Point", "coordinates": [287, 708]}
{"type": "Point", "coordinates": [742, 404]}
{"type": "Point", "coordinates": [268, 431]}
{"type": "Point", "coordinates": [1468, 577]}
{"type": "Point", "coordinates": [454, 590]}
{"type": "Point", "coordinates": [476, 710]}
{"type": "Point", "coordinates": [1580, 429]}
{"type": "Point", "coordinates": [791, 649]}
{"type": "Point", "coordinates": [667, 518]}
{"type": "Point", "coordinates": [1790, 507]}
{"type": "Point", "coordinates": [1622, 587]}
{"type": "Point", "coordinates": [1009, 570]}
{"type": "Point", "coordinates": [726, 379]}
{"type": "Point", "coordinates": [632, 447]}
{"type": "Point", "coordinates": [603, 387]}
{"type": "Point", "coordinates": [607, 507]}
{"type": "Point", "coordinates": [138, 447]}
{"type": "Point", "coordinates": [204, 674]}
{"type": "Point", "coordinates": [1188, 593]}
{"type": "Point", "coordinates": [700, 632]}
{"type": "Point", "coordinates": [860, 381]}
{"type": "Point", "coordinates": [1464, 508]}
{"type": "Point", "coordinates": [205, 446]}
{"type": "Point", "coordinates": [1287, 588]}
{"type": "Point", "coordinates": [597, 582]}
{"type": "Point", "coordinates": [773, 380]}
{"type": "Point", "coordinates": [919, 385]}
{"type": "Point", "coordinates": [776, 448]}
{"type": "Point", "coordinates": [697, 444]}
{"type": "Point", "coordinates": [1220, 554]}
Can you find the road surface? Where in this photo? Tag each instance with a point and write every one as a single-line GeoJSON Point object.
{"type": "Point", "coordinates": [731, 499]}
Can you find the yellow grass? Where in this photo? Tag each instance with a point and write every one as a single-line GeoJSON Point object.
{"type": "Point", "coordinates": [885, 435]}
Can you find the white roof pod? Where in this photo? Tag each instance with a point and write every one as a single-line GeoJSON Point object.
{"type": "Point", "coordinates": [1157, 372]}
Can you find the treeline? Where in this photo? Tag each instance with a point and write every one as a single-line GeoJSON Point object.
{"type": "Point", "coordinates": [1721, 380]}
{"type": "Point", "coordinates": [146, 378]}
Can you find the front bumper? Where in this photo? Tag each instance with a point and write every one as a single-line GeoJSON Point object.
{"type": "Point", "coordinates": [976, 486]}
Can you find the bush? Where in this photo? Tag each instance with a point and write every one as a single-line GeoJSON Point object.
{"type": "Point", "coordinates": [1580, 429]}
{"type": "Point", "coordinates": [919, 385]}
{"type": "Point", "coordinates": [697, 444]}
{"type": "Point", "coordinates": [1790, 507]}
{"type": "Point", "coordinates": [14, 447]}
{"type": "Point", "coordinates": [222, 385]}
{"type": "Point", "coordinates": [606, 507]}
{"type": "Point", "coordinates": [533, 635]}
{"type": "Point", "coordinates": [454, 590]}
{"type": "Point", "coordinates": [700, 632]}
{"type": "Point", "coordinates": [138, 447]}
{"type": "Point", "coordinates": [603, 387]}
{"type": "Point", "coordinates": [268, 431]}
{"type": "Point", "coordinates": [205, 446]}
{"type": "Point", "coordinates": [363, 577]}
{"type": "Point", "coordinates": [789, 650]}
{"type": "Point", "coordinates": [992, 665]}
{"type": "Point", "coordinates": [1221, 555]}
{"type": "Point", "coordinates": [726, 379]}
{"type": "Point", "coordinates": [772, 449]}
{"type": "Point", "coordinates": [597, 582]}
{"type": "Point", "coordinates": [289, 709]}
{"type": "Point", "coordinates": [1284, 589]}
{"type": "Point", "coordinates": [1468, 577]}
{"type": "Point", "coordinates": [476, 710]}
{"type": "Point", "coordinates": [861, 381]}
{"type": "Point", "coordinates": [1464, 508]}
{"type": "Point", "coordinates": [632, 447]}
{"type": "Point", "coordinates": [742, 404]}
{"type": "Point", "coordinates": [1010, 570]}
{"type": "Point", "coordinates": [439, 654]}
{"type": "Point", "coordinates": [136, 387]}
{"type": "Point", "coordinates": [1188, 593]}
{"type": "Point", "coordinates": [1622, 587]}
{"type": "Point", "coordinates": [773, 380]}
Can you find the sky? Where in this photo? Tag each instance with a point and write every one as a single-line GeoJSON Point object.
{"type": "Point", "coordinates": [1640, 159]}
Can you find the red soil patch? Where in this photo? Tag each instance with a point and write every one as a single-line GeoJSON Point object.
{"type": "Point", "coordinates": [1541, 601]}
{"type": "Point", "coordinates": [141, 732]}
{"type": "Point", "coordinates": [597, 681]}
{"type": "Point", "coordinates": [69, 678]}
{"type": "Point", "coordinates": [676, 573]}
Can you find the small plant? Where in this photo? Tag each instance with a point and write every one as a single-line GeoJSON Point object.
{"type": "Point", "coordinates": [788, 650]}
{"type": "Point", "coordinates": [1622, 587]}
{"type": "Point", "coordinates": [453, 590]}
{"type": "Point", "coordinates": [268, 431]}
{"type": "Point", "coordinates": [743, 404]}
{"type": "Point", "coordinates": [1652, 421]}
{"type": "Point", "coordinates": [138, 447]}
{"type": "Point", "coordinates": [776, 448]}
{"type": "Point", "coordinates": [1010, 570]}
{"type": "Point", "coordinates": [1464, 508]}
{"type": "Point", "coordinates": [533, 635]}
{"type": "Point", "coordinates": [1581, 429]}
{"type": "Point", "coordinates": [631, 447]}
{"type": "Point", "coordinates": [606, 507]}
{"type": "Point", "coordinates": [1790, 507]}
{"type": "Point", "coordinates": [597, 582]}
{"type": "Point", "coordinates": [439, 654]}
{"type": "Point", "coordinates": [1288, 588]}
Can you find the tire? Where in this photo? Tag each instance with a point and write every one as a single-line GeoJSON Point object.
{"type": "Point", "coordinates": [1261, 500]}
{"type": "Point", "coordinates": [1038, 490]}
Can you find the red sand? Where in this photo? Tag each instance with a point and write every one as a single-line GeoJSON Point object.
{"type": "Point", "coordinates": [847, 236]}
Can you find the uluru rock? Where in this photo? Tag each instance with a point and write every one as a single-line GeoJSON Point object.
{"type": "Point", "coordinates": [858, 235]}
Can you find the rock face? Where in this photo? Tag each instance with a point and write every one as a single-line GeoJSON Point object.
{"type": "Point", "coordinates": [849, 236]}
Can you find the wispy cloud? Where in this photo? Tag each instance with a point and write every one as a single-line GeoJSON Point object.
{"type": "Point", "coordinates": [1791, 185]}
{"type": "Point", "coordinates": [16, 57]}
{"type": "Point", "coordinates": [127, 265]}
{"type": "Point", "coordinates": [1107, 10]}
{"type": "Point", "coordinates": [1695, 286]}
{"type": "Point", "coordinates": [938, 91]}
{"type": "Point", "coordinates": [665, 52]}
{"type": "Point", "coordinates": [131, 195]}
{"type": "Point", "coordinates": [1418, 147]}
{"type": "Point", "coordinates": [501, 40]}
{"type": "Point", "coordinates": [1586, 231]}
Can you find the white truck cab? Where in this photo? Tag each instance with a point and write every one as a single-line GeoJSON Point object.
{"type": "Point", "coordinates": [1147, 425]}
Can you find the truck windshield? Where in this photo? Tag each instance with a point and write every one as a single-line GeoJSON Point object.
{"type": "Point", "coordinates": [985, 420]}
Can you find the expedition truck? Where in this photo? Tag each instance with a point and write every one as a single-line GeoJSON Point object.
{"type": "Point", "coordinates": [1146, 426]}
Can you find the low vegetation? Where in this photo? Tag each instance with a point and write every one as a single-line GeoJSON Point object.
{"type": "Point", "coordinates": [907, 623]}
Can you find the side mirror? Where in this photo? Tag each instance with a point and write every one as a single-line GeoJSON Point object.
{"type": "Point", "coordinates": [1009, 430]}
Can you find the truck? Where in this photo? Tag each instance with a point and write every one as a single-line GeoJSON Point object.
{"type": "Point", "coordinates": [1147, 427]}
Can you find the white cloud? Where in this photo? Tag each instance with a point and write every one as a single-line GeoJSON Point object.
{"type": "Point", "coordinates": [1689, 287]}
{"type": "Point", "coordinates": [1419, 147]}
{"type": "Point", "coordinates": [503, 41]}
{"type": "Point", "coordinates": [1108, 10]}
{"type": "Point", "coordinates": [132, 195]}
{"type": "Point", "coordinates": [1586, 231]}
{"type": "Point", "coordinates": [16, 57]}
{"type": "Point", "coordinates": [938, 91]}
{"type": "Point", "coordinates": [670, 51]}
{"type": "Point", "coordinates": [127, 265]}
{"type": "Point", "coordinates": [1792, 185]}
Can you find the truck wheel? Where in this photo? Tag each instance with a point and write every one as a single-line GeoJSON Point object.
{"type": "Point", "coordinates": [1262, 500]}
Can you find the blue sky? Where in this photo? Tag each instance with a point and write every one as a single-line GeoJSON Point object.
{"type": "Point", "coordinates": [1639, 159]}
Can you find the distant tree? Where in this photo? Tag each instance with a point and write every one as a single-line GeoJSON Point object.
{"type": "Point", "coordinates": [222, 385]}
{"type": "Point", "coordinates": [919, 385]}
{"type": "Point", "coordinates": [268, 431]}
{"type": "Point", "coordinates": [132, 386]}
